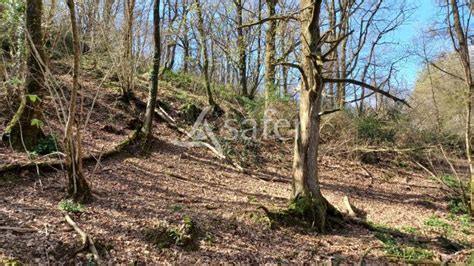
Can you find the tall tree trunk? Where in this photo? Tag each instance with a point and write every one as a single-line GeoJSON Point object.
{"type": "Point", "coordinates": [150, 108]}
{"type": "Point", "coordinates": [77, 188]}
{"type": "Point", "coordinates": [128, 62]}
{"type": "Point", "coordinates": [242, 49]}
{"type": "Point", "coordinates": [306, 188]}
{"type": "Point", "coordinates": [24, 130]}
{"type": "Point", "coordinates": [204, 53]}
{"type": "Point", "coordinates": [462, 48]}
{"type": "Point", "coordinates": [270, 51]}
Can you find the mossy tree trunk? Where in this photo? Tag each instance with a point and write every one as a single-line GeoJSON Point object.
{"type": "Point", "coordinates": [306, 187]}
{"type": "Point", "coordinates": [270, 52]}
{"type": "Point", "coordinates": [24, 130]}
{"type": "Point", "coordinates": [77, 187]}
{"type": "Point", "coordinates": [150, 108]}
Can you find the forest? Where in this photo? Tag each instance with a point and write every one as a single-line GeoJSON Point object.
{"type": "Point", "coordinates": [322, 132]}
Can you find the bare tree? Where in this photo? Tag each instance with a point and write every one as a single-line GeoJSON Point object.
{"type": "Point", "coordinates": [77, 188]}
{"type": "Point", "coordinates": [306, 187]}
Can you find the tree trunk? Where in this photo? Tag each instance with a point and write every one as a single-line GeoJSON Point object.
{"type": "Point", "coordinates": [150, 108]}
{"type": "Point", "coordinates": [128, 62]}
{"type": "Point", "coordinates": [306, 188]}
{"type": "Point", "coordinates": [24, 130]}
{"type": "Point", "coordinates": [77, 188]}
{"type": "Point", "coordinates": [270, 90]}
{"type": "Point", "coordinates": [242, 49]}
{"type": "Point", "coordinates": [462, 48]}
{"type": "Point", "coordinates": [204, 53]}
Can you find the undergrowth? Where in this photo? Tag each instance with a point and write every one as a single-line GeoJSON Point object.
{"type": "Point", "coordinates": [184, 234]}
{"type": "Point", "coordinates": [68, 205]}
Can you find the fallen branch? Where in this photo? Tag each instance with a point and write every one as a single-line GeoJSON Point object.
{"type": "Point", "coordinates": [40, 163]}
{"type": "Point", "coordinates": [87, 241]}
{"type": "Point", "coordinates": [171, 122]}
{"type": "Point", "coordinates": [18, 229]}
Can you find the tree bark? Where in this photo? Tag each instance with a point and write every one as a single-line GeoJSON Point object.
{"type": "Point", "coordinates": [24, 130]}
{"type": "Point", "coordinates": [270, 90]}
{"type": "Point", "coordinates": [306, 188]}
{"type": "Point", "coordinates": [462, 48]}
{"type": "Point", "coordinates": [204, 53]}
{"type": "Point", "coordinates": [128, 62]}
{"type": "Point", "coordinates": [77, 188]}
{"type": "Point", "coordinates": [242, 49]}
{"type": "Point", "coordinates": [150, 108]}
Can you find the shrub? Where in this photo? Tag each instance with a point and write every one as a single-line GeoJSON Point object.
{"type": "Point", "coordinates": [178, 80]}
{"type": "Point", "coordinates": [374, 129]}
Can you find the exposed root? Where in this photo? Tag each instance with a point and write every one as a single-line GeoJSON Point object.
{"type": "Point", "coordinates": [87, 241]}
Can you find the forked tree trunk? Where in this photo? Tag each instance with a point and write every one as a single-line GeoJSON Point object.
{"type": "Point", "coordinates": [150, 108]}
{"type": "Point", "coordinates": [77, 187]}
{"type": "Point", "coordinates": [24, 130]}
{"type": "Point", "coordinates": [306, 188]}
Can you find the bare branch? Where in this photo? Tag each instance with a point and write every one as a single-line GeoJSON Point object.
{"type": "Point", "coordinates": [367, 86]}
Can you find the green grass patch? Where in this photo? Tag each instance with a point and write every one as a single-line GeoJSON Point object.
{"type": "Point", "coordinates": [408, 253]}
{"type": "Point", "coordinates": [439, 224]}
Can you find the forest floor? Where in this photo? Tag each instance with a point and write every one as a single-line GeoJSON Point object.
{"type": "Point", "coordinates": [139, 189]}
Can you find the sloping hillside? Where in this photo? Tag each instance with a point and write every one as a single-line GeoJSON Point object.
{"type": "Point", "coordinates": [165, 203]}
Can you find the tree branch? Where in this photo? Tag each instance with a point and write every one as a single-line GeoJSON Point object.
{"type": "Point", "coordinates": [367, 86]}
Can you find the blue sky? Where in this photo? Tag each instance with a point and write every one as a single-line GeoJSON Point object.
{"type": "Point", "coordinates": [425, 13]}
